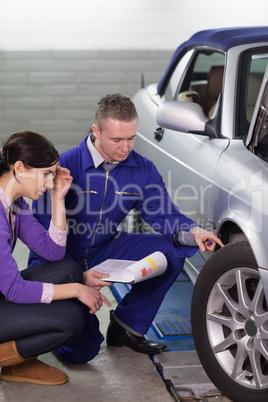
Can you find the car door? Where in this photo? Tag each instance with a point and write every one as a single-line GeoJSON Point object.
{"type": "Point", "coordinates": [242, 177]}
{"type": "Point", "coordinates": [186, 161]}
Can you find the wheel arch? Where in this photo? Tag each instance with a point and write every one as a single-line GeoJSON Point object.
{"type": "Point", "coordinates": [230, 231]}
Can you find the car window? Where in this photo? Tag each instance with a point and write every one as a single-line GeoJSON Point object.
{"type": "Point", "coordinates": [261, 129]}
{"type": "Point", "coordinates": [257, 67]}
{"type": "Point", "coordinates": [175, 78]}
{"type": "Point", "coordinates": [258, 135]}
{"type": "Point", "coordinates": [253, 65]}
{"type": "Point", "coordinates": [198, 77]}
{"type": "Point", "coordinates": [207, 78]}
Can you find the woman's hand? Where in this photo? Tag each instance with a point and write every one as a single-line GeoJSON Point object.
{"type": "Point", "coordinates": [93, 279]}
{"type": "Point", "coordinates": [92, 298]}
{"type": "Point", "coordinates": [62, 182]}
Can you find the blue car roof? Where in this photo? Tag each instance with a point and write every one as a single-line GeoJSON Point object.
{"type": "Point", "coordinates": [221, 39]}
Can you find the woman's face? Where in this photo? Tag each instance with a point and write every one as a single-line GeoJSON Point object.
{"type": "Point", "coordinates": [35, 181]}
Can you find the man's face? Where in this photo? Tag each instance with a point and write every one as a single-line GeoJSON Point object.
{"type": "Point", "coordinates": [116, 138]}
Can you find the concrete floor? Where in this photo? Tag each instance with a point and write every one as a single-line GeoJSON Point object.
{"type": "Point", "coordinates": [116, 374]}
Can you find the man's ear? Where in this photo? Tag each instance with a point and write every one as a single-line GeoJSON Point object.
{"type": "Point", "coordinates": [96, 131]}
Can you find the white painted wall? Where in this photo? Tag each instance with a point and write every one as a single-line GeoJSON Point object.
{"type": "Point", "coordinates": [117, 24]}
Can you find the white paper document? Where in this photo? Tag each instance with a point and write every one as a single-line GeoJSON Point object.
{"type": "Point", "coordinates": [125, 271]}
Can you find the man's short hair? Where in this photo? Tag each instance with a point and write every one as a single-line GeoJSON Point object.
{"type": "Point", "coordinates": [117, 107]}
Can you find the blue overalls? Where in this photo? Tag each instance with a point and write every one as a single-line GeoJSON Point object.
{"type": "Point", "coordinates": [96, 204]}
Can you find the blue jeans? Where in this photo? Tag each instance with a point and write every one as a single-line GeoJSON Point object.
{"type": "Point", "coordinates": [41, 328]}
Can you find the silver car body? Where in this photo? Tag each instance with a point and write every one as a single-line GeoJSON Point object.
{"type": "Point", "coordinates": [210, 170]}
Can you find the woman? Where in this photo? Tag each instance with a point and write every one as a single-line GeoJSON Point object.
{"type": "Point", "coordinates": [34, 313]}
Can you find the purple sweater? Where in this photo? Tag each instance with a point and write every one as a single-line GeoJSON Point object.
{"type": "Point", "coordinates": [33, 234]}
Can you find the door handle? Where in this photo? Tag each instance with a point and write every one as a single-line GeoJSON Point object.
{"type": "Point", "coordinates": [158, 133]}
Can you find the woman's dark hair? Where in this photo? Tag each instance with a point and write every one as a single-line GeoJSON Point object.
{"type": "Point", "coordinates": [33, 149]}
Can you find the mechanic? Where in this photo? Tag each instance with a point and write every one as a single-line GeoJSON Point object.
{"type": "Point", "coordinates": [109, 180]}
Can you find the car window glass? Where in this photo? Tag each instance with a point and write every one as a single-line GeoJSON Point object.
{"type": "Point", "coordinates": [252, 72]}
{"type": "Point", "coordinates": [200, 82]}
{"type": "Point", "coordinates": [257, 67]}
{"type": "Point", "coordinates": [176, 76]}
{"type": "Point", "coordinates": [259, 140]}
{"type": "Point", "coordinates": [207, 78]}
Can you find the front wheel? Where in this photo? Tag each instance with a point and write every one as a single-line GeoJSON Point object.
{"type": "Point", "coordinates": [230, 324]}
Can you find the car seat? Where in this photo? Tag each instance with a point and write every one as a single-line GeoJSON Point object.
{"type": "Point", "coordinates": [214, 88]}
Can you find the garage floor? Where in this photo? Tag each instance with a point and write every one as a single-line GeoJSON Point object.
{"type": "Point", "coordinates": [119, 374]}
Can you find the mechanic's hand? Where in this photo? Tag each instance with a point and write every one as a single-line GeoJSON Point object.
{"type": "Point", "coordinates": [93, 279]}
{"type": "Point", "coordinates": [92, 298]}
{"type": "Point", "coordinates": [205, 240]}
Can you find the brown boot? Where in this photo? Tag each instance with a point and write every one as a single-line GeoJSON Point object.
{"type": "Point", "coordinates": [35, 372]}
{"type": "Point", "coordinates": [16, 368]}
{"type": "Point", "coordinates": [9, 354]}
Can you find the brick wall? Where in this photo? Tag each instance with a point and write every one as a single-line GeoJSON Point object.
{"type": "Point", "coordinates": [55, 92]}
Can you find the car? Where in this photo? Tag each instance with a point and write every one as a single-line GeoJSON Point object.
{"type": "Point", "coordinates": [205, 126]}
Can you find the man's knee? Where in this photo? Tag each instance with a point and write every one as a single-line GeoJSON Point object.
{"type": "Point", "coordinates": [77, 353]}
{"type": "Point", "coordinates": [86, 345]}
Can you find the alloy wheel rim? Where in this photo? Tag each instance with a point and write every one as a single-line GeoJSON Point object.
{"type": "Point", "coordinates": [237, 327]}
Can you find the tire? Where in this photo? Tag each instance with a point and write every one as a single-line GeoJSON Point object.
{"type": "Point", "coordinates": [230, 324]}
